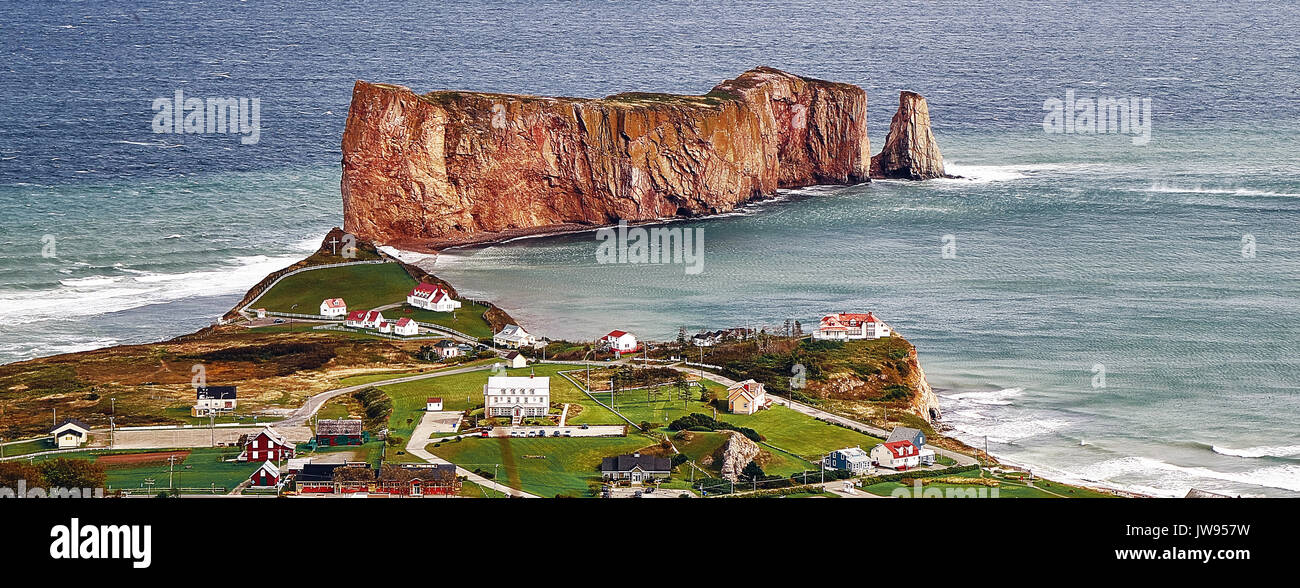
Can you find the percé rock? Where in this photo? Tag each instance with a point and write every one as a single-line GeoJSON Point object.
{"type": "Point", "coordinates": [450, 167]}
{"type": "Point", "coordinates": [910, 152]}
{"type": "Point", "coordinates": [735, 454]}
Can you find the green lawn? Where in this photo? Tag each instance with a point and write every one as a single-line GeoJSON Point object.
{"type": "Point", "coordinates": [202, 468]}
{"type": "Point", "coordinates": [795, 432]}
{"type": "Point", "coordinates": [29, 446]}
{"type": "Point", "coordinates": [467, 319]}
{"type": "Point", "coordinates": [545, 467]}
{"type": "Point", "coordinates": [361, 286]}
{"type": "Point", "coordinates": [1009, 488]}
{"type": "Point", "coordinates": [464, 392]}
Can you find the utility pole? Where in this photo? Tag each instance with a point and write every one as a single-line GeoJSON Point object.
{"type": "Point", "coordinates": [112, 416]}
{"type": "Point", "coordinates": [212, 427]}
{"type": "Point", "coordinates": [171, 469]}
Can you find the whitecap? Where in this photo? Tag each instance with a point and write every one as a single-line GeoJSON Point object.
{"type": "Point", "coordinates": [1261, 451]}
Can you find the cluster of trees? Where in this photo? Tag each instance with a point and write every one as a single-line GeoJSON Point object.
{"type": "Point", "coordinates": [287, 357]}
{"type": "Point", "coordinates": [54, 473]}
{"type": "Point", "coordinates": [376, 405]}
{"type": "Point", "coordinates": [703, 422]}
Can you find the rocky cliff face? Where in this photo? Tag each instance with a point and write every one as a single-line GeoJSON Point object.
{"type": "Point", "coordinates": [910, 152]}
{"type": "Point", "coordinates": [736, 454]}
{"type": "Point", "coordinates": [458, 167]}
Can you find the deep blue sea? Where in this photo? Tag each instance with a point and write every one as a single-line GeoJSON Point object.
{"type": "Point", "coordinates": [1173, 266]}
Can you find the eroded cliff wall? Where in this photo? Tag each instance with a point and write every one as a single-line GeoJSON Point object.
{"type": "Point", "coordinates": [449, 168]}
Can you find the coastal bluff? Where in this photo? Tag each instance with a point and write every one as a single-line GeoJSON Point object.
{"type": "Point", "coordinates": [448, 168]}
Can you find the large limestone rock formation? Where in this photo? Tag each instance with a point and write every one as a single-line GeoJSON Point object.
{"type": "Point", "coordinates": [444, 168]}
{"type": "Point", "coordinates": [911, 152]}
{"type": "Point", "coordinates": [738, 451]}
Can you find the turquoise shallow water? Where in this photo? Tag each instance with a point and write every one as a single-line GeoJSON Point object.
{"type": "Point", "coordinates": [1072, 250]}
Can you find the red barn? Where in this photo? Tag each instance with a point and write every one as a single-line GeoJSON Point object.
{"type": "Point", "coordinates": [269, 445]}
{"type": "Point", "coordinates": [266, 476]}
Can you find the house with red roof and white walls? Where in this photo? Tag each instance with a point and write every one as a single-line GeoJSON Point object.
{"type": "Point", "coordinates": [619, 342]}
{"type": "Point", "coordinates": [847, 326]}
{"type": "Point", "coordinates": [333, 307]}
{"type": "Point", "coordinates": [431, 297]}
{"type": "Point", "coordinates": [356, 318]}
{"type": "Point", "coordinates": [896, 455]}
{"type": "Point", "coordinates": [406, 327]}
{"type": "Point", "coordinates": [373, 320]}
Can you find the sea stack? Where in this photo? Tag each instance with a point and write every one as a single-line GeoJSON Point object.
{"type": "Point", "coordinates": [447, 168]}
{"type": "Point", "coordinates": [911, 152]}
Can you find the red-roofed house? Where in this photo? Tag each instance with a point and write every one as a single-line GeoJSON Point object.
{"type": "Point", "coordinates": [406, 327]}
{"type": "Point", "coordinates": [332, 307]}
{"type": "Point", "coordinates": [356, 318]}
{"type": "Point", "coordinates": [747, 397]}
{"type": "Point", "coordinates": [433, 405]}
{"type": "Point", "coordinates": [846, 326]}
{"type": "Point", "coordinates": [896, 455]}
{"type": "Point", "coordinates": [620, 341]}
{"type": "Point", "coordinates": [373, 319]}
{"type": "Point", "coordinates": [431, 297]}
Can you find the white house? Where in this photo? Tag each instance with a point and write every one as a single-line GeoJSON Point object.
{"type": "Point", "coordinates": [516, 359]}
{"type": "Point", "coordinates": [433, 405]}
{"type": "Point", "coordinates": [333, 307]}
{"type": "Point", "coordinates": [747, 397]}
{"type": "Point", "coordinates": [851, 326]}
{"type": "Point", "coordinates": [852, 459]}
{"type": "Point", "coordinates": [356, 318]}
{"type": "Point", "coordinates": [517, 397]}
{"type": "Point", "coordinates": [70, 433]}
{"type": "Point", "coordinates": [896, 455]}
{"type": "Point", "coordinates": [214, 399]}
{"type": "Point", "coordinates": [513, 337]}
{"type": "Point", "coordinates": [447, 348]}
{"type": "Point", "coordinates": [431, 297]}
{"type": "Point", "coordinates": [406, 327]}
{"type": "Point", "coordinates": [374, 318]}
{"type": "Point", "coordinates": [386, 327]}
{"type": "Point", "coordinates": [619, 341]}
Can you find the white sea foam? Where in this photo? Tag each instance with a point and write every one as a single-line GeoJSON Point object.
{"type": "Point", "coordinates": [979, 174]}
{"type": "Point", "coordinates": [1163, 188]}
{"type": "Point", "coordinates": [1176, 479]}
{"type": "Point", "coordinates": [1261, 451]}
{"type": "Point", "coordinates": [992, 397]}
{"type": "Point", "coordinates": [95, 295]}
{"type": "Point", "coordinates": [1009, 431]}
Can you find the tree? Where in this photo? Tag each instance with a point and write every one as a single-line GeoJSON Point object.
{"type": "Point", "coordinates": [13, 471]}
{"type": "Point", "coordinates": [73, 473]}
{"type": "Point", "coordinates": [752, 471]}
{"type": "Point", "coordinates": [798, 329]}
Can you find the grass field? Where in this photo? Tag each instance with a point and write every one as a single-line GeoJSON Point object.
{"type": "Point", "coordinates": [464, 392]}
{"type": "Point", "coordinates": [361, 286]}
{"type": "Point", "coordinates": [29, 446]}
{"type": "Point", "coordinates": [202, 468]}
{"type": "Point", "coordinates": [1009, 487]}
{"type": "Point", "coordinates": [545, 467]}
{"type": "Point", "coordinates": [467, 319]}
{"type": "Point", "coordinates": [792, 431]}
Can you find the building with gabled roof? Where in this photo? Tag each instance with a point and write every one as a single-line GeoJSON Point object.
{"type": "Point", "coordinates": [333, 307]}
{"type": "Point", "coordinates": [209, 400]}
{"type": "Point", "coordinates": [266, 476]}
{"type": "Point", "coordinates": [747, 397]}
{"type": "Point", "coordinates": [513, 337]}
{"type": "Point", "coordinates": [896, 455]}
{"type": "Point", "coordinates": [619, 342]}
{"type": "Point", "coordinates": [417, 479]}
{"type": "Point", "coordinates": [431, 297]}
{"type": "Point", "coordinates": [635, 467]}
{"type": "Point", "coordinates": [267, 445]}
{"type": "Point", "coordinates": [847, 326]}
{"type": "Point", "coordinates": [339, 432]}
{"type": "Point", "coordinates": [851, 459]}
{"type": "Point", "coordinates": [70, 433]}
{"type": "Point", "coordinates": [517, 397]}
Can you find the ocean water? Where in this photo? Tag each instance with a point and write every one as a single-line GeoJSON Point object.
{"type": "Point", "coordinates": [1074, 253]}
